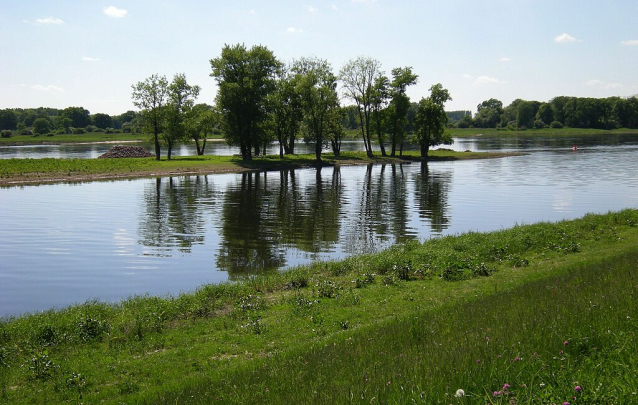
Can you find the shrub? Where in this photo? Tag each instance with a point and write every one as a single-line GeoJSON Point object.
{"type": "Point", "coordinates": [90, 128]}
{"type": "Point", "coordinates": [6, 133]}
{"type": "Point", "coordinates": [539, 124]}
{"type": "Point", "coordinates": [60, 131]}
{"type": "Point", "coordinates": [77, 131]}
{"type": "Point", "coordinates": [556, 124]}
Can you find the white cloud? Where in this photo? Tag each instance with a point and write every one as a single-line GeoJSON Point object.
{"type": "Point", "coordinates": [293, 30]}
{"type": "Point", "coordinates": [334, 7]}
{"type": "Point", "coordinates": [632, 42]}
{"type": "Point", "coordinates": [47, 88]}
{"type": "Point", "coordinates": [564, 38]}
{"type": "Point", "coordinates": [88, 59]}
{"type": "Point", "coordinates": [49, 21]}
{"type": "Point", "coordinates": [253, 12]}
{"type": "Point", "coordinates": [311, 9]}
{"type": "Point", "coordinates": [603, 85]}
{"type": "Point", "coordinates": [505, 59]}
{"type": "Point", "coordinates": [487, 80]}
{"type": "Point", "coordinates": [115, 12]}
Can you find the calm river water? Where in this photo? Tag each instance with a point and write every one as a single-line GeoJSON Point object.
{"type": "Point", "coordinates": [67, 243]}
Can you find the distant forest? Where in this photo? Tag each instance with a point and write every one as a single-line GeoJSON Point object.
{"type": "Point", "coordinates": [575, 112]}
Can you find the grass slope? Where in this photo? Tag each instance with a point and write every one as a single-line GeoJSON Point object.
{"type": "Point", "coordinates": [525, 315]}
{"type": "Point", "coordinates": [41, 170]}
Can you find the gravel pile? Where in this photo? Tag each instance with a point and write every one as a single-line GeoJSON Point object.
{"type": "Point", "coordinates": [126, 152]}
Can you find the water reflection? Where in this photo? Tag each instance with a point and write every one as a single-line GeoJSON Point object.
{"type": "Point", "coordinates": [431, 194]}
{"type": "Point", "coordinates": [175, 213]}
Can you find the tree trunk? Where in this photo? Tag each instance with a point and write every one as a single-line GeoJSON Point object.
{"type": "Point", "coordinates": [157, 146]}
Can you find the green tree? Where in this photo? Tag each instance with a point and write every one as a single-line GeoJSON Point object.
{"type": "Point", "coordinates": [317, 86]}
{"type": "Point", "coordinates": [286, 111]}
{"type": "Point", "coordinates": [380, 98]}
{"type": "Point", "coordinates": [359, 77]}
{"type": "Point", "coordinates": [545, 113]}
{"type": "Point", "coordinates": [181, 98]}
{"type": "Point", "coordinates": [41, 126]}
{"type": "Point", "coordinates": [201, 121]}
{"type": "Point", "coordinates": [488, 113]}
{"type": "Point", "coordinates": [80, 117]}
{"type": "Point", "coordinates": [8, 120]}
{"type": "Point", "coordinates": [399, 105]}
{"type": "Point", "coordinates": [151, 96]}
{"type": "Point", "coordinates": [102, 120]}
{"type": "Point", "coordinates": [245, 79]}
{"type": "Point", "coordinates": [431, 120]}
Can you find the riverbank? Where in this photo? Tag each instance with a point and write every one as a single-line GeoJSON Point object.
{"type": "Point", "coordinates": [540, 313]}
{"type": "Point", "coordinates": [34, 171]}
{"type": "Point", "coordinates": [566, 132]}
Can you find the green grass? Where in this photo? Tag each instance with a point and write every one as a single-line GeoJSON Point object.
{"type": "Point", "coordinates": [68, 138]}
{"type": "Point", "coordinates": [48, 169]}
{"type": "Point", "coordinates": [414, 323]}
{"type": "Point", "coordinates": [471, 132]}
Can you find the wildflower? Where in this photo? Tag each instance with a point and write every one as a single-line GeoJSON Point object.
{"type": "Point", "coordinates": [577, 388]}
{"type": "Point", "coordinates": [478, 361]}
{"type": "Point", "coordinates": [565, 343]}
{"type": "Point", "coordinates": [565, 403]}
{"type": "Point", "coordinates": [498, 393]}
{"type": "Point", "coordinates": [542, 385]}
{"type": "Point", "coordinates": [459, 393]}
{"type": "Point", "coordinates": [505, 386]}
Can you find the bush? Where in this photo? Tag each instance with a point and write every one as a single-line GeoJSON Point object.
{"type": "Point", "coordinates": [77, 131]}
{"type": "Point", "coordinates": [90, 128]}
{"type": "Point", "coordinates": [26, 132]}
{"type": "Point", "coordinates": [539, 124]}
{"type": "Point", "coordinates": [6, 133]}
{"type": "Point", "coordinates": [556, 124]}
{"type": "Point", "coordinates": [60, 131]}
{"type": "Point", "coordinates": [108, 131]}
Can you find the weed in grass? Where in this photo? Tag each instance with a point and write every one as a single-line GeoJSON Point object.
{"type": "Point", "coordinates": [76, 382]}
{"type": "Point", "coordinates": [89, 329]}
{"type": "Point", "coordinates": [254, 325]}
{"type": "Point", "coordinates": [327, 289]}
{"type": "Point", "coordinates": [41, 367]}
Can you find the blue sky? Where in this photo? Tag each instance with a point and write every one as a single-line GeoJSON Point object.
{"type": "Point", "coordinates": [60, 53]}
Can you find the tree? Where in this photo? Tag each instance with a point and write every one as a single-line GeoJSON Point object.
{"type": "Point", "coordinates": [102, 120]}
{"type": "Point", "coordinates": [399, 105]}
{"type": "Point", "coordinates": [380, 97]}
{"type": "Point", "coordinates": [358, 77]}
{"type": "Point", "coordinates": [488, 113]}
{"type": "Point", "coordinates": [201, 120]}
{"type": "Point", "coordinates": [80, 117]}
{"type": "Point", "coordinates": [317, 87]}
{"type": "Point", "coordinates": [151, 97]}
{"type": "Point", "coordinates": [245, 79]}
{"type": "Point", "coordinates": [286, 111]}
{"type": "Point", "coordinates": [8, 120]}
{"type": "Point", "coordinates": [545, 113]}
{"type": "Point", "coordinates": [431, 120]}
{"type": "Point", "coordinates": [41, 126]}
{"type": "Point", "coordinates": [181, 98]}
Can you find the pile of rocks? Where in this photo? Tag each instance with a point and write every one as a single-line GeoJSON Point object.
{"type": "Point", "coordinates": [126, 152]}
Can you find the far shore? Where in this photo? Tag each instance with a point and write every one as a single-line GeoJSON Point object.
{"type": "Point", "coordinates": [40, 171]}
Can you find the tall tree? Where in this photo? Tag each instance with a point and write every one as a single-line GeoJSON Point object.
{"type": "Point", "coordinates": [181, 98]}
{"type": "Point", "coordinates": [358, 77]}
{"type": "Point", "coordinates": [80, 117]}
{"type": "Point", "coordinates": [488, 114]}
{"type": "Point", "coordinates": [380, 97]}
{"type": "Point", "coordinates": [102, 120]}
{"type": "Point", "coordinates": [245, 79]}
{"type": "Point", "coordinates": [286, 111]}
{"type": "Point", "coordinates": [317, 86]}
{"type": "Point", "coordinates": [399, 105]}
{"type": "Point", "coordinates": [431, 120]}
{"type": "Point", "coordinates": [201, 121]}
{"type": "Point", "coordinates": [8, 119]}
{"type": "Point", "coordinates": [151, 97]}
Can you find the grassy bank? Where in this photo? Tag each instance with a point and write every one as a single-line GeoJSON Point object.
{"type": "Point", "coordinates": [526, 314]}
{"type": "Point", "coordinates": [14, 171]}
{"type": "Point", "coordinates": [471, 132]}
{"type": "Point", "coordinates": [70, 138]}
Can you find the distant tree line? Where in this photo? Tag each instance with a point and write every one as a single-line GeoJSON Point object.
{"type": "Point", "coordinates": [575, 112]}
{"type": "Point", "coordinates": [71, 120]}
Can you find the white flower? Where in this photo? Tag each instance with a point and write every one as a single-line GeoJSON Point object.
{"type": "Point", "coordinates": [459, 393]}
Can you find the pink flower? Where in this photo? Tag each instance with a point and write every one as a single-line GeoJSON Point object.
{"type": "Point", "coordinates": [565, 343]}
{"type": "Point", "coordinates": [577, 388]}
{"type": "Point", "coordinates": [565, 403]}
{"type": "Point", "coordinates": [497, 393]}
{"type": "Point", "coordinates": [505, 386]}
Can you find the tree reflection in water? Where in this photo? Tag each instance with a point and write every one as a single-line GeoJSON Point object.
{"type": "Point", "coordinates": [175, 212]}
{"type": "Point", "coordinates": [261, 221]}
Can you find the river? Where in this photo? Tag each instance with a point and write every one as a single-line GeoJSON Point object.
{"type": "Point", "coordinates": [62, 244]}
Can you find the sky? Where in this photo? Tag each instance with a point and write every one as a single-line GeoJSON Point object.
{"type": "Point", "coordinates": [61, 53]}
